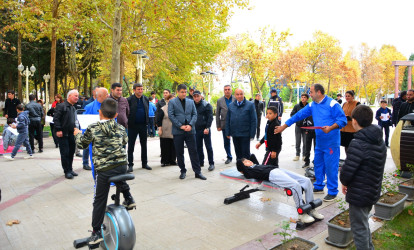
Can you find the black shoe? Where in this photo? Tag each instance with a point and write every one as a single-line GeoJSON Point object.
{"type": "Point", "coordinates": [95, 238]}
{"type": "Point", "coordinates": [227, 161]}
{"type": "Point", "coordinates": [182, 176]}
{"type": "Point", "coordinates": [318, 191]}
{"type": "Point", "coordinates": [164, 164]}
{"type": "Point", "coordinates": [86, 167]}
{"type": "Point", "coordinates": [129, 169]}
{"type": "Point", "coordinates": [146, 167]}
{"type": "Point", "coordinates": [74, 173]}
{"type": "Point", "coordinates": [129, 203]}
{"type": "Point", "coordinates": [200, 176]}
{"type": "Point", "coordinates": [68, 176]}
{"type": "Point", "coordinates": [329, 198]}
{"type": "Point", "coordinates": [56, 145]}
{"type": "Point", "coordinates": [202, 165]}
{"type": "Point", "coordinates": [79, 155]}
{"type": "Point", "coordinates": [305, 165]}
{"type": "Point", "coordinates": [40, 150]}
{"type": "Point", "coordinates": [211, 167]}
{"type": "Point", "coordinates": [173, 163]}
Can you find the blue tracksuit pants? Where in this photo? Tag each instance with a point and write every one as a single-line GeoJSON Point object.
{"type": "Point", "coordinates": [326, 162]}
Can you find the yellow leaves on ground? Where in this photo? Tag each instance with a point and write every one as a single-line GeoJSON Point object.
{"type": "Point", "coordinates": [10, 223]}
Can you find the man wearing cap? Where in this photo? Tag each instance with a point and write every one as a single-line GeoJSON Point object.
{"type": "Point", "coordinates": [221, 114]}
{"type": "Point", "coordinates": [202, 126]}
{"type": "Point", "coordinates": [277, 102]}
{"type": "Point", "coordinates": [191, 93]}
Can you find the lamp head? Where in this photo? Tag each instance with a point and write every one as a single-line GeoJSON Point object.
{"type": "Point", "coordinates": [139, 52]}
{"type": "Point", "coordinates": [32, 68]}
{"type": "Point", "coordinates": [20, 67]}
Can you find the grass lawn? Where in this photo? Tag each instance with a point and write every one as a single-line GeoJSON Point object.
{"type": "Point", "coordinates": [46, 128]}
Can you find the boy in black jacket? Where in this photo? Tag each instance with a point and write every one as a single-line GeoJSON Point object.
{"type": "Point", "coordinates": [272, 141]}
{"type": "Point", "coordinates": [361, 175]}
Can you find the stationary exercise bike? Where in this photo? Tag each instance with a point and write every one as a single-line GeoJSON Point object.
{"type": "Point", "coordinates": [118, 230]}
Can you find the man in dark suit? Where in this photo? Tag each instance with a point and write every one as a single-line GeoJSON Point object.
{"type": "Point", "coordinates": [137, 125]}
{"type": "Point", "coordinates": [183, 115]}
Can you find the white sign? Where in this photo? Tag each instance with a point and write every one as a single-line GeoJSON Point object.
{"type": "Point", "coordinates": [86, 120]}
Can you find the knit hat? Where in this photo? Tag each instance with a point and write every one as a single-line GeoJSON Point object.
{"type": "Point", "coordinates": [240, 165]}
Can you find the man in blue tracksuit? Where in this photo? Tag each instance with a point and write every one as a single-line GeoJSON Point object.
{"type": "Point", "coordinates": [328, 114]}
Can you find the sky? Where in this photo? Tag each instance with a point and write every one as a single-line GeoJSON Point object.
{"type": "Point", "coordinates": [352, 22]}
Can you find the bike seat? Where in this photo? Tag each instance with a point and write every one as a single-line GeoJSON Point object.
{"type": "Point", "coordinates": [121, 177]}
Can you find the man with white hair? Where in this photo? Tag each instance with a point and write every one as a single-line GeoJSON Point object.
{"type": "Point", "coordinates": [65, 122]}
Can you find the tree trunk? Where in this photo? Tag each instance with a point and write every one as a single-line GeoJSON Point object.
{"type": "Point", "coordinates": [53, 53]}
{"type": "Point", "coordinates": [121, 70]}
{"type": "Point", "coordinates": [85, 83]}
{"type": "Point", "coordinates": [90, 80]}
{"type": "Point", "coordinates": [116, 42]}
{"type": "Point", "coordinates": [329, 86]}
{"type": "Point", "coordinates": [19, 61]}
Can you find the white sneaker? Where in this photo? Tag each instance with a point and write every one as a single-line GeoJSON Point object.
{"type": "Point", "coordinates": [8, 157]}
{"type": "Point", "coordinates": [306, 218]}
{"type": "Point", "coordinates": [28, 157]}
{"type": "Point", "coordinates": [316, 215]}
{"type": "Point", "coordinates": [296, 158]}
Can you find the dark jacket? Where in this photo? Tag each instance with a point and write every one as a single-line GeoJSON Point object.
{"type": "Point", "coordinates": [161, 103]}
{"type": "Point", "coordinates": [123, 111]}
{"type": "Point", "coordinates": [259, 172]}
{"type": "Point", "coordinates": [204, 115]}
{"type": "Point", "coordinates": [35, 111]}
{"type": "Point", "coordinates": [274, 141]}
{"type": "Point", "coordinates": [132, 101]}
{"type": "Point", "coordinates": [241, 121]}
{"type": "Point", "coordinates": [23, 122]}
{"type": "Point", "coordinates": [379, 113]}
{"type": "Point", "coordinates": [364, 167]}
{"type": "Point", "coordinates": [396, 104]}
{"type": "Point", "coordinates": [65, 118]}
{"type": "Point", "coordinates": [406, 108]}
{"type": "Point", "coordinates": [276, 101]}
{"type": "Point", "coordinates": [88, 101]}
{"type": "Point", "coordinates": [179, 117]}
{"type": "Point", "coordinates": [10, 107]}
{"type": "Point", "coordinates": [296, 109]}
{"type": "Point", "coordinates": [259, 105]}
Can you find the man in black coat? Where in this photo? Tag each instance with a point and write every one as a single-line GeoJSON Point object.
{"type": "Point", "coordinates": [300, 133]}
{"type": "Point", "coordinates": [408, 106]}
{"type": "Point", "coordinates": [65, 123]}
{"type": "Point", "coordinates": [396, 104]}
{"type": "Point", "coordinates": [259, 105]}
{"type": "Point", "coordinates": [361, 175]}
{"type": "Point", "coordinates": [137, 125]}
{"type": "Point", "coordinates": [277, 102]}
{"type": "Point", "coordinates": [203, 131]}
{"type": "Point", "coordinates": [10, 105]}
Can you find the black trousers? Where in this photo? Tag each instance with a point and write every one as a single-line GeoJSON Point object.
{"type": "Point", "coordinates": [52, 129]}
{"type": "Point", "coordinates": [386, 129]}
{"type": "Point", "coordinates": [35, 131]}
{"type": "Point", "coordinates": [259, 118]}
{"type": "Point", "coordinates": [309, 137]}
{"type": "Point", "coordinates": [168, 155]}
{"type": "Point", "coordinates": [134, 131]}
{"type": "Point", "coordinates": [299, 136]}
{"type": "Point", "coordinates": [101, 193]}
{"type": "Point", "coordinates": [200, 137]}
{"type": "Point", "coordinates": [67, 150]}
{"type": "Point", "coordinates": [242, 147]}
{"type": "Point", "coordinates": [268, 160]}
{"type": "Point", "coordinates": [189, 139]}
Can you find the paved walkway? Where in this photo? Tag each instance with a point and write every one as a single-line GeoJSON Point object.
{"type": "Point", "coordinates": [171, 213]}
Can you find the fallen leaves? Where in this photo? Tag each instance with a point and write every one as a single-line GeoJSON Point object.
{"type": "Point", "coordinates": [292, 220]}
{"type": "Point", "coordinates": [396, 235]}
{"type": "Point", "coordinates": [376, 219]}
{"type": "Point", "coordinates": [410, 212]}
{"type": "Point", "coordinates": [264, 199]}
{"type": "Point", "coordinates": [10, 223]}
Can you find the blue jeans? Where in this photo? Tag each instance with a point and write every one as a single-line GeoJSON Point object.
{"type": "Point", "coordinates": [192, 151]}
{"type": "Point", "coordinates": [85, 156]}
{"type": "Point", "coordinates": [227, 146]}
{"type": "Point", "coordinates": [22, 138]}
{"type": "Point", "coordinates": [151, 128]}
{"type": "Point", "coordinates": [200, 136]}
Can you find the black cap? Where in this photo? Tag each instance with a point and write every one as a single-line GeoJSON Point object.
{"type": "Point", "coordinates": [273, 90]}
{"type": "Point", "coordinates": [197, 92]}
{"type": "Point", "coordinates": [192, 88]}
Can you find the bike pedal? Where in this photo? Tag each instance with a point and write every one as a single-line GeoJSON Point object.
{"type": "Point", "coordinates": [94, 246]}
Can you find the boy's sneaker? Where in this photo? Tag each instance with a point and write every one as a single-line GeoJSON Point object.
{"type": "Point", "coordinates": [296, 158]}
{"type": "Point", "coordinates": [28, 157]}
{"type": "Point", "coordinates": [306, 218]}
{"type": "Point", "coordinates": [329, 198]}
{"type": "Point", "coordinates": [8, 157]}
{"type": "Point", "coordinates": [316, 215]}
{"type": "Point", "coordinates": [129, 203]}
{"type": "Point", "coordinates": [317, 191]}
{"type": "Point", "coordinates": [95, 238]}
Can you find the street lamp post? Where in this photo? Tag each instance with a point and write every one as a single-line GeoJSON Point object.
{"type": "Point", "coordinates": [208, 75]}
{"type": "Point", "coordinates": [141, 60]}
{"type": "Point", "coordinates": [46, 78]}
{"type": "Point", "coordinates": [27, 73]}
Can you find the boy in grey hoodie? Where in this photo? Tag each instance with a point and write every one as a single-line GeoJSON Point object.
{"type": "Point", "coordinates": [23, 129]}
{"type": "Point", "coordinates": [9, 138]}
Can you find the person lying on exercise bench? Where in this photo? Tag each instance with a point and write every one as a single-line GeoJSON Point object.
{"type": "Point", "coordinates": [284, 179]}
{"type": "Point", "coordinates": [109, 157]}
